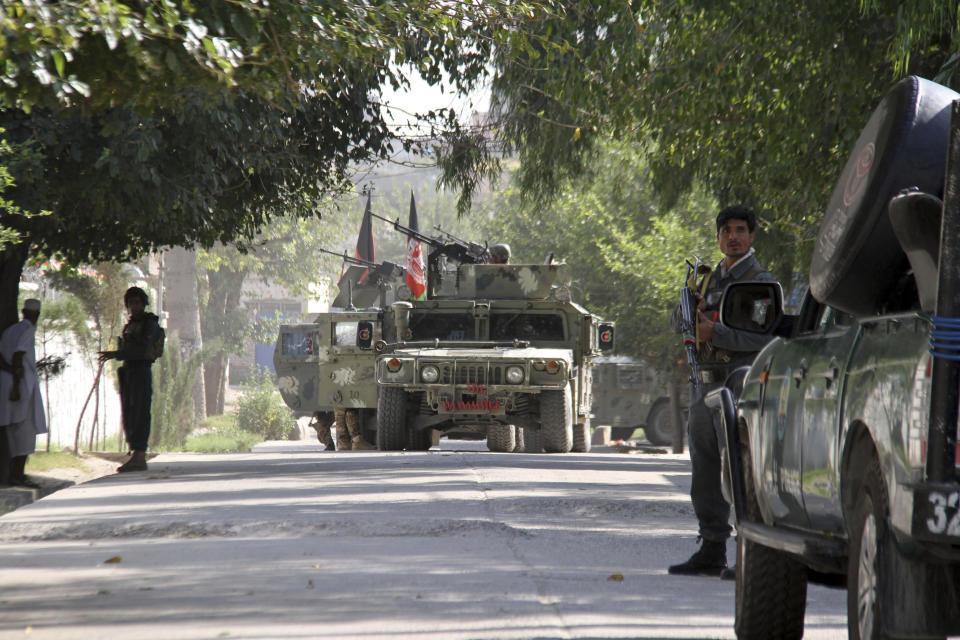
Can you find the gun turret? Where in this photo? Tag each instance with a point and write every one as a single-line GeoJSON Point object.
{"type": "Point", "coordinates": [480, 251]}
{"type": "Point", "coordinates": [364, 281]}
{"type": "Point", "coordinates": [453, 248]}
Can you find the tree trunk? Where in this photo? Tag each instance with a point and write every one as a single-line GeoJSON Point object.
{"type": "Point", "coordinates": [223, 301]}
{"type": "Point", "coordinates": [183, 307]}
{"type": "Point", "coordinates": [12, 259]}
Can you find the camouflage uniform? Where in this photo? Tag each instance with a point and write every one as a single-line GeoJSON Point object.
{"type": "Point", "coordinates": [349, 435]}
{"type": "Point", "coordinates": [322, 421]}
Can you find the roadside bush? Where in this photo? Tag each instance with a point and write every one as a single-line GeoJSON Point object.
{"type": "Point", "coordinates": [229, 440]}
{"type": "Point", "coordinates": [261, 411]}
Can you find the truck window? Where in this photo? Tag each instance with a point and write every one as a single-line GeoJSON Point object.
{"type": "Point", "coordinates": [631, 377]}
{"type": "Point", "coordinates": [526, 326]}
{"type": "Point", "coordinates": [344, 333]}
{"type": "Point", "coordinates": [299, 343]}
{"type": "Point", "coordinates": [441, 326]}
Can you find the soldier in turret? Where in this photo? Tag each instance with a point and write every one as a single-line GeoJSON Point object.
{"type": "Point", "coordinates": [500, 253]}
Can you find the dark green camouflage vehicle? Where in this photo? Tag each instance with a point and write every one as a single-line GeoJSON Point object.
{"type": "Point", "coordinates": [630, 394]}
{"type": "Point", "coordinates": [496, 349]}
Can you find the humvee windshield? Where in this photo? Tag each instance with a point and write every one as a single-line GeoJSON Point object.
{"type": "Point", "coordinates": [526, 326]}
{"type": "Point", "coordinates": [441, 326]}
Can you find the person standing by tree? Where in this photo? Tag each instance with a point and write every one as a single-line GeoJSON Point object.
{"type": "Point", "coordinates": [140, 345]}
{"type": "Point", "coordinates": [21, 406]}
{"type": "Point", "coordinates": [723, 350]}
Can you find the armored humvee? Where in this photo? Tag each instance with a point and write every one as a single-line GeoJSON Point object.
{"type": "Point", "coordinates": [629, 394]}
{"type": "Point", "coordinates": [498, 349]}
{"type": "Point", "coordinates": [330, 362]}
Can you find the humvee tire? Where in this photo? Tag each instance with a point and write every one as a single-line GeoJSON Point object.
{"type": "Point", "coordinates": [659, 425]}
{"type": "Point", "coordinates": [532, 441]}
{"type": "Point", "coordinates": [581, 437]}
{"type": "Point", "coordinates": [857, 260]}
{"type": "Point", "coordinates": [420, 440]}
{"type": "Point", "coordinates": [391, 419]}
{"type": "Point", "coordinates": [501, 438]}
{"type": "Point", "coordinates": [556, 420]}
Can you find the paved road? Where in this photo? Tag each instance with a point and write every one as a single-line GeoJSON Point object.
{"type": "Point", "coordinates": [293, 543]}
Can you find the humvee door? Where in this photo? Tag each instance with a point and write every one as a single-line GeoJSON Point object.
{"type": "Point", "coordinates": [329, 363]}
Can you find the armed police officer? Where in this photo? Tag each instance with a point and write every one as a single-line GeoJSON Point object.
{"type": "Point", "coordinates": [140, 345]}
{"type": "Point", "coordinates": [722, 350]}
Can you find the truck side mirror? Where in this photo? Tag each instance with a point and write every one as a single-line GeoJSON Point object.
{"type": "Point", "coordinates": [364, 335]}
{"type": "Point", "coordinates": [752, 306]}
{"type": "Point", "coordinates": [605, 337]}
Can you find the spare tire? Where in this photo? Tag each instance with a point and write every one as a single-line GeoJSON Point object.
{"type": "Point", "coordinates": [857, 260]}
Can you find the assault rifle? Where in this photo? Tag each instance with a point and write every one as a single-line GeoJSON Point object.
{"type": "Point", "coordinates": [688, 318]}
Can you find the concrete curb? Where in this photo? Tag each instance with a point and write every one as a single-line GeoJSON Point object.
{"type": "Point", "coordinates": [12, 498]}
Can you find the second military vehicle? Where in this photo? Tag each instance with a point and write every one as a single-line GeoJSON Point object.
{"type": "Point", "coordinates": [630, 394]}
{"type": "Point", "coordinates": [329, 362]}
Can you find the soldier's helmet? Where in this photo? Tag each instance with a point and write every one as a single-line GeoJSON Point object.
{"type": "Point", "coordinates": [500, 253]}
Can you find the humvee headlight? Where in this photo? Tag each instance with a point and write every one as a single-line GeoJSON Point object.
{"type": "Point", "coordinates": [514, 375]}
{"type": "Point", "coordinates": [430, 374]}
{"type": "Point", "coordinates": [393, 365]}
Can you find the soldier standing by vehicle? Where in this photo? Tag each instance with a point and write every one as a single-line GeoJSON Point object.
{"type": "Point", "coordinates": [140, 344]}
{"type": "Point", "coordinates": [349, 435]}
{"type": "Point", "coordinates": [723, 349]}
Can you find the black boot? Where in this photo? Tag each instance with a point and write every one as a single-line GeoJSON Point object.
{"type": "Point", "coordinates": [18, 475]}
{"type": "Point", "coordinates": [710, 560]}
{"type": "Point", "coordinates": [137, 462]}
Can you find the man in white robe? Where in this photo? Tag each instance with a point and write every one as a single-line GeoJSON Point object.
{"type": "Point", "coordinates": [22, 417]}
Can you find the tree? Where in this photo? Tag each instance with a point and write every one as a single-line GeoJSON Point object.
{"type": "Point", "coordinates": [624, 252]}
{"type": "Point", "coordinates": [142, 126]}
{"type": "Point", "coordinates": [760, 101]}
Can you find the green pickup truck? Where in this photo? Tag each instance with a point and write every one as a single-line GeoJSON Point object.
{"type": "Point", "coordinates": [841, 456]}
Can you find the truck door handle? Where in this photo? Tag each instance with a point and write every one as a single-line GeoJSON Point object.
{"type": "Point", "coordinates": [831, 374]}
{"type": "Point", "coordinates": [800, 374]}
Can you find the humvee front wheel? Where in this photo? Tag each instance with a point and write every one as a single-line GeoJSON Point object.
{"type": "Point", "coordinates": [391, 419]}
{"type": "Point", "coordinates": [501, 438]}
{"type": "Point", "coordinates": [556, 420]}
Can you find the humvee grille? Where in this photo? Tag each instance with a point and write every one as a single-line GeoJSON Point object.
{"type": "Point", "coordinates": [470, 373]}
{"type": "Point", "coordinates": [477, 373]}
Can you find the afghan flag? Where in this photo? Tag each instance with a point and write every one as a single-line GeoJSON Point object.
{"type": "Point", "coordinates": [416, 276]}
{"type": "Point", "coordinates": [365, 248]}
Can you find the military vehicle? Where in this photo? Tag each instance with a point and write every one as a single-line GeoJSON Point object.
{"type": "Point", "coordinates": [498, 349]}
{"type": "Point", "coordinates": [329, 362]}
{"type": "Point", "coordinates": [630, 394]}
